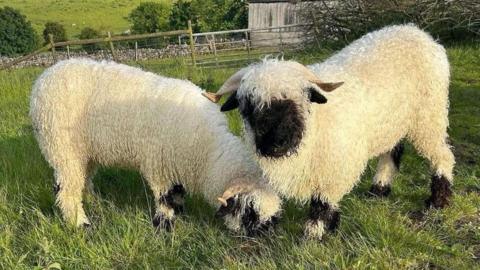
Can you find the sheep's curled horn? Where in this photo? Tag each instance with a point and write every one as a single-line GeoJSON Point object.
{"type": "Point", "coordinates": [233, 83]}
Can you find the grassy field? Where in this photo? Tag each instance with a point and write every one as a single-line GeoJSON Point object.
{"type": "Point", "coordinates": [103, 15]}
{"type": "Point", "coordinates": [392, 233]}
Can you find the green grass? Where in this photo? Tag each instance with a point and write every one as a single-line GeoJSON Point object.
{"type": "Point", "coordinates": [103, 15]}
{"type": "Point", "coordinates": [392, 233]}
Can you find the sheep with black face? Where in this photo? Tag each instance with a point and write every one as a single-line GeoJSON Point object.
{"type": "Point", "coordinates": [88, 114]}
{"type": "Point", "coordinates": [315, 128]}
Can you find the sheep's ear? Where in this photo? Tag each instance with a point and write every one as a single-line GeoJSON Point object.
{"type": "Point", "coordinates": [329, 87]}
{"type": "Point", "coordinates": [229, 207]}
{"type": "Point", "coordinates": [231, 103]}
{"type": "Point", "coordinates": [315, 96]}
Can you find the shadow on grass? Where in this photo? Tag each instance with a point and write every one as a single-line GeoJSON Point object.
{"type": "Point", "coordinates": [29, 178]}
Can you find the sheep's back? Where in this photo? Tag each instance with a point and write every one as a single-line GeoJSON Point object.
{"type": "Point", "coordinates": [119, 115]}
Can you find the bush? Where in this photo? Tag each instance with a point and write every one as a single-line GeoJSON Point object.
{"type": "Point", "coordinates": [344, 21]}
{"type": "Point", "coordinates": [89, 33]}
{"type": "Point", "coordinates": [56, 29]}
{"type": "Point", "coordinates": [150, 17]}
{"type": "Point", "coordinates": [16, 33]}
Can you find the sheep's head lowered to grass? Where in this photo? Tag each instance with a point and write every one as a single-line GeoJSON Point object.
{"type": "Point", "coordinates": [274, 98]}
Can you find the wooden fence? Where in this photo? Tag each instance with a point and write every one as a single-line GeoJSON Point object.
{"type": "Point", "coordinates": [108, 40]}
{"type": "Point", "coordinates": [248, 45]}
{"type": "Point", "coordinates": [209, 50]}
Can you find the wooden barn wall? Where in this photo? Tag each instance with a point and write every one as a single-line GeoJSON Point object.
{"type": "Point", "coordinates": [262, 15]}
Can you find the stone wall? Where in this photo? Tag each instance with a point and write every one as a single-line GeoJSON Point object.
{"type": "Point", "coordinates": [171, 51]}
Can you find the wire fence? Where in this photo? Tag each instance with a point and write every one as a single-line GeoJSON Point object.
{"type": "Point", "coordinates": [206, 50]}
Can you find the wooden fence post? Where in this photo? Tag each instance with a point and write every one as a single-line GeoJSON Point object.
{"type": "Point", "coordinates": [214, 45]}
{"type": "Point", "coordinates": [247, 44]}
{"type": "Point", "coordinates": [112, 49]}
{"type": "Point", "coordinates": [281, 40]}
{"type": "Point", "coordinates": [192, 43]}
{"type": "Point", "coordinates": [50, 38]}
{"type": "Point", "coordinates": [136, 50]}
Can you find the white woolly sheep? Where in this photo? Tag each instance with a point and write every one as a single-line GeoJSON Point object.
{"type": "Point", "coordinates": [392, 84]}
{"type": "Point", "coordinates": [87, 113]}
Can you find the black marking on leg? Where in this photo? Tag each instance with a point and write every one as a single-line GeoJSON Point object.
{"type": "Point", "coordinates": [396, 154]}
{"type": "Point", "coordinates": [162, 222]}
{"type": "Point", "coordinates": [380, 191]}
{"type": "Point", "coordinates": [174, 198]}
{"type": "Point", "coordinates": [56, 188]}
{"type": "Point", "coordinates": [441, 192]}
{"type": "Point", "coordinates": [323, 211]}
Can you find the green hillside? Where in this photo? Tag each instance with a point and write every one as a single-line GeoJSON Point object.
{"type": "Point", "coordinates": [104, 15]}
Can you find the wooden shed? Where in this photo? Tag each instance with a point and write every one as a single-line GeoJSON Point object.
{"type": "Point", "coordinates": [271, 14]}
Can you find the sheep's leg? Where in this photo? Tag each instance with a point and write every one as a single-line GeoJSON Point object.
{"type": "Point", "coordinates": [168, 205]}
{"type": "Point", "coordinates": [323, 216]}
{"type": "Point", "coordinates": [441, 159]}
{"type": "Point", "coordinates": [68, 188]}
{"type": "Point", "coordinates": [388, 166]}
{"type": "Point", "coordinates": [168, 202]}
{"type": "Point", "coordinates": [91, 171]}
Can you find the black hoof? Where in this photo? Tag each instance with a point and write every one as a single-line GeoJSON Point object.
{"type": "Point", "coordinates": [87, 226]}
{"type": "Point", "coordinates": [380, 191]}
{"type": "Point", "coordinates": [441, 192]}
{"type": "Point", "coordinates": [162, 223]}
{"type": "Point", "coordinates": [437, 202]}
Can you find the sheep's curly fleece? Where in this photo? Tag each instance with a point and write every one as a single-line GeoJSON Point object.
{"type": "Point", "coordinates": [86, 113]}
{"type": "Point", "coordinates": [395, 86]}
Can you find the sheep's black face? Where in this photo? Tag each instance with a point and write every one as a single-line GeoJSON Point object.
{"type": "Point", "coordinates": [247, 220]}
{"type": "Point", "coordinates": [277, 128]}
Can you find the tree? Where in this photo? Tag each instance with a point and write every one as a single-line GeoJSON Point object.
{"type": "Point", "coordinates": [215, 15]}
{"type": "Point", "coordinates": [56, 29]}
{"type": "Point", "coordinates": [181, 13]}
{"type": "Point", "coordinates": [16, 33]}
{"type": "Point", "coordinates": [209, 15]}
{"type": "Point", "coordinates": [89, 33]}
{"type": "Point", "coordinates": [150, 17]}
{"type": "Point", "coordinates": [236, 15]}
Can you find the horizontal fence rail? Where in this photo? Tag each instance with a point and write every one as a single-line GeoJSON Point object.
{"type": "Point", "coordinates": [119, 38]}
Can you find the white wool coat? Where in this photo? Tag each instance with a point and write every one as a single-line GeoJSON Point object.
{"type": "Point", "coordinates": [111, 114]}
{"type": "Point", "coordinates": [395, 86]}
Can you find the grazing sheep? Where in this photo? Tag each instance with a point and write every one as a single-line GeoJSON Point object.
{"type": "Point", "coordinates": [87, 113]}
{"type": "Point", "coordinates": [392, 84]}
